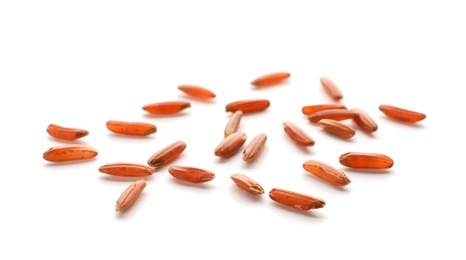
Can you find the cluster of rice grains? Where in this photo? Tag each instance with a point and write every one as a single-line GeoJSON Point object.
{"type": "Point", "coordinates": [329, 116]}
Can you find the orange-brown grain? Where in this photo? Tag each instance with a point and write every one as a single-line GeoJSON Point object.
{"type": "Point", "coordinates": [167, 154]}
{"type": "Point", "coordinates": [130, 195]}
{"type": "Point", "coordinates": [337, 128]}
{"type": "Point", "coordinates": [131, 128]}
{"type": "Point", "coordinates": [66, 153]}
{"type": "Point", "coordinates": [326, 173]}
{"type": "Point", "coordinates": [270, 79]}
{"type": "Point", "coordinates": [296, 200]}
{"type": "Point", "coordinates": [248, 106]}
{"type": "Point", "coordinates": [166, 108]}
{"type": "Point", "coordinates": [331, 88]}
{"type": "Point", "coordinates": [127, 169]}
{"type": "Point", "coordinates": [297, 134]}
{"type": "Point", "coordinates": [366, 160]}
{"type": "Point", "coordinates": [335, 114]}
{"type": "Point", "coordinates": [233, 123]}
{"type": "Point", "coordinates": [254, 148]}
{"type": "Point", "coordinates": [191, 174]}
{"type": "Point", "coordinates": [230, 145]}
{"type": "Point", "coordinates": [401, 114]}
{"type": "Point", "coordinates": [66, 133]}
{"type": "Point", "coordinates": [247, 184]}
{"type": "Point", "coordinates": [197, 92]}
{"type": "Point", "coordinates": [308, 110]}
{"type": "Point", "coordinates": [364, 121]}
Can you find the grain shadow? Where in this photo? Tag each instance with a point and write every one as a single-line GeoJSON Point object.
{"type": "Point", "coordinates": [244, 195]}
{"type": "Point", "coordinates": [177, 115]}
{"type": "Point", "coordinates": [282, 84]}
{"type": "Point", "coordinates": [202, 185]}
{"type": "Point", "coordinates": [340, 188]}
{"type": "Point", "coordinates": [368, 171]}
{"type": "Point", "coordinates": [133, 137]}
{"type": "Point", "coordinates": [55, 164]}
{"type": "Point", "coordinates": [303, 149]}
{"type": "Point", "coordinates": [306, 213]}
{"type": "Point", "coordinates": [411, 125]}
{"type": "Point", "coordinates": [197, 100]}
{"type": "Point", "coordinates": [107, 177]}
{"type": "Point", "coordinates": [347, 140]}
{"type": "Point", "coordinates": [368, 134]}
{"type": "Point", "coordinates": [225, 159]}
{"type": "Point", "coordinates": [78, 141]}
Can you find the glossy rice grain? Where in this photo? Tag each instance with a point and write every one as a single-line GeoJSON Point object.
{"type": "Point", "coordinates": [230, 145]}
{"type": "Point", "coordinates": [308, 110]}
{"type": "Point", "coordinates": [364, 121]}
{"type": "Point", "coordinates": [331, 88]}
{"type": "Point", "coordinates": [401, 114]}
{"type": "Point", "coordinates": [297, 134]}
{"type": "Point", "coordinates": [197, 92]}
{"type": "Point", "coordinates": [247, 184]}
{"type": "Point", "coordinates": [254, 148]}
{"type": "Point", "coordinates": [366, 160]}
{"type": "Point", "coordinates": [335, 114]}
{"type": "Point", "coordinates": [233, 123]}
{"type": "Point", "coordinates": [130, 195]}
{"type": "Point", "coordinates": [127, 169]}
{"type": "Point", "coordinates": [66, 133]}
{"type": "Point", "coordinates": [166, 108]}
{"type": "Point", "coordinates": [167, 154]}
{"type": "Point", "coordinates": [248, 106]}
{"type": "Point", "coordinates": [191, 174]}
{"type": "Point", "coordinates": [296, 200]}
{"type": "Point", "coordinates": [131, 128]}
{"type": "Point", "coordinates": [67, 153]}
{"type": "Point", "coordinates": [337, 128]}
{"type": "Point", "coordinates": [270, 79]}
{"type": "Point", "coordinates": [326, 173]}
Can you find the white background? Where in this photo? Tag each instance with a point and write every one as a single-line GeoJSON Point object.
{"type": "Point", "coordinates": [82, 63]}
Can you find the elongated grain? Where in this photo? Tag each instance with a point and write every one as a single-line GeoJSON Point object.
{"type": "Point", "coordinates": [127, 169]}
{"type": "Point", "coordinates": [331, 88]}
{"type": "Point", "coordinates": [364, 121]}
{"type": "Point", "coordinates": [230, 145]}
{"type": "Point", "coordinates": [233, 123]}
{"type": "Point", "coordinates": [130, 195]}
{"type": "Point", "coordinates": [191, 174]}
{"type": "Point", "coordinates": [335, 114]}
{"type": "Point", "coordinates": [66, 133]}
{"type": "Point", "coordinates": [248, 106]}
{"type": "Point", "coordinates": [197, 92]}
{"type": "Point", "coordinates": [254, 148]}
{"type": "Point", "coordinates": [167, 154]}
{"type": "Point", "coordinates": [296, 200]}
{"type": "Point", "coordinates": [401, 114]}
{"type": "Point", "coordinates": [366, 160]}
{"type": "Point", "coordinates": [131, 128]}
{"type": "Point", "coordinates": [247, 184]}
{"type": "Point", "coordinates": [337, 128]}
{"type": "Point", "coordinates": [270, 79]}
{"type": "Point", "coordinates": [67, 153]}
{"type": "Point", "coordinates": [308, 110]}
{"type": "Point", "coordinates": [166, 108]}
{"type": "Point", "coordinates": [297, 134]}
{"type": "Point", "coordinates": [326, 172]}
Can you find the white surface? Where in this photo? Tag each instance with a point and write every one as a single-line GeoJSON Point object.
{"type": "Point", "coordinates": [81, 64]}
